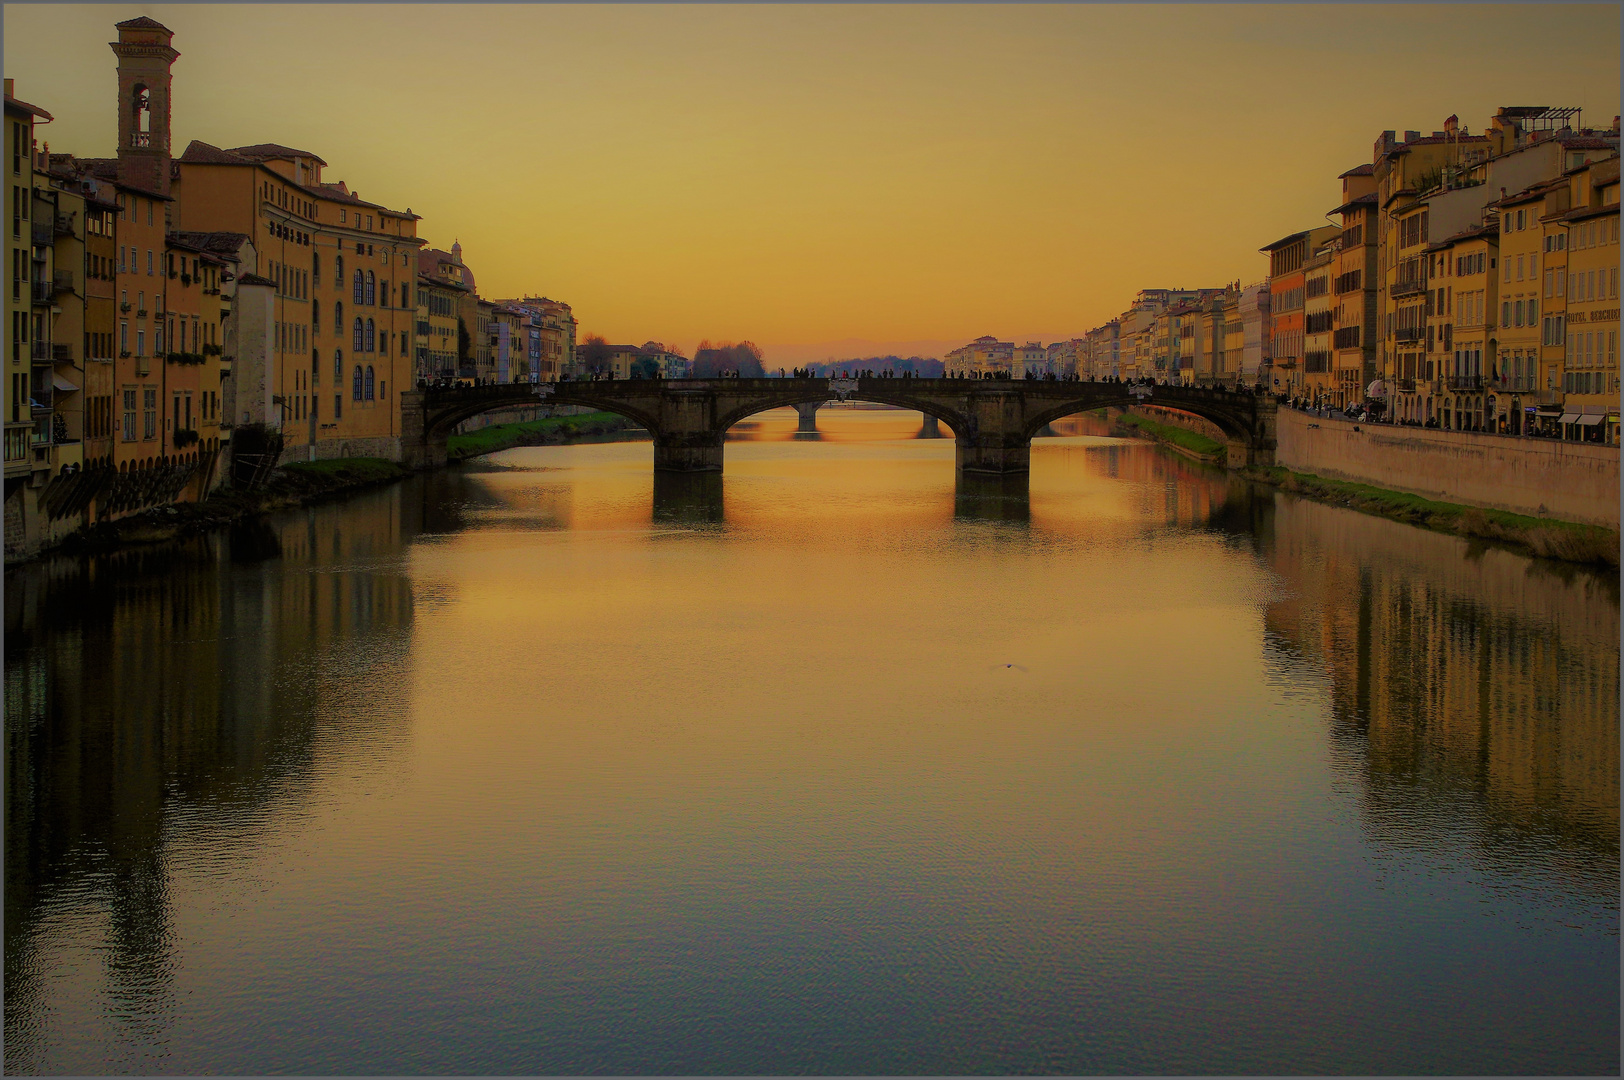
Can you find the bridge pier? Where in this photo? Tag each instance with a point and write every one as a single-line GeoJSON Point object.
{"type": "Point", "coordinates": [932, 428]}
{"type": "Point", "coordinates": [808, 411]}
{"type": "Point", "coordinates": [688, 452]}
{"type": "Point", "coordinates": [994, 440]}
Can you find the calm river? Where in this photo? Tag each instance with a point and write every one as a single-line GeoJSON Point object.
{"type": "Point", "coordinates": [535, 766]}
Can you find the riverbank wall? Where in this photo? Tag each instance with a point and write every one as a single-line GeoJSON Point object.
{"type": "Point", "coordinates": [1539, 478]}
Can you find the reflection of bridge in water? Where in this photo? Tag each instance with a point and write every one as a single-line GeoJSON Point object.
{"type": "Point", "coordinates": [993, 421]}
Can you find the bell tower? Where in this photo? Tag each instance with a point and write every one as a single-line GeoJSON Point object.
{"type": "Point", "coordinates": [144, 58]}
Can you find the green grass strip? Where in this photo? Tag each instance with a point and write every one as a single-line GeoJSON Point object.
{"type": "Point", "coordinates": [1548, 537]}
{"type": "Point", "coordinates": [1193, 441]}
{"type": "Point", "coordinates": [489, 440]}
{"type": "Point", "coordinates": [355, 470]}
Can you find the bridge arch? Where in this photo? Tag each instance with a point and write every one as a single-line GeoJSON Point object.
{"type": "Point", "coordinates": [952, 418]}
{"type": "Point", "coordinates": [443, 416]}
{"type": "Point", "coordinates": [1235, 424]}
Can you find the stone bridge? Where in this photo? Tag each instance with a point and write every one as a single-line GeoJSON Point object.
{"type": "Point", "coordinates": [993, 420]}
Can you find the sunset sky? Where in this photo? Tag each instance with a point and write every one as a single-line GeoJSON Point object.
{"type": "Point", "coordinates": [833, 179]}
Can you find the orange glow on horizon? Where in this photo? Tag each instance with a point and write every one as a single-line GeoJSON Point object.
{"type": "Point", "coordinates": [833, 179]}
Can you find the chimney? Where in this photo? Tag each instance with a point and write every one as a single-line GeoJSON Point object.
{"type": "Point", "coordinates": [1451, 124]}
{"type": "Point", "coordinates": [1411, 136]}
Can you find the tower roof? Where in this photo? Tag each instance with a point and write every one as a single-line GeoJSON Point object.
{"type": "Point", "coordinates": [141, 22]}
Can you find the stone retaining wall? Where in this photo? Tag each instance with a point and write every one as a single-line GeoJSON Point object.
{"type": "Point", "coordinates": [1538, 477]}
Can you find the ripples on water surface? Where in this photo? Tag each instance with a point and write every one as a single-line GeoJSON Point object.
{"type": "Point", "coordinates": [535, 766]}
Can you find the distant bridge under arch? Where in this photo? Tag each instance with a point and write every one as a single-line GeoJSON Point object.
{"type": "Point", "coordinates": [993, 420]}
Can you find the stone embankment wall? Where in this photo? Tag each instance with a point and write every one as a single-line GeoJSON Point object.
{"type": "Point", "coordinates": [1538, 477]}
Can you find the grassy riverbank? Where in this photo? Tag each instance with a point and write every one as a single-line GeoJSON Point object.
{"type": "Point", "coordinates": [550, 431]}
{"type": "Point", "coordinates": [1565, 540]}
{"type": "Point", "coordinates": [1193, 442]}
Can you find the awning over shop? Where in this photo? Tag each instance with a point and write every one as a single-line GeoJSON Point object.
{"type": "Point", "coordinates": [1590, 419]}
{"type": "Point", "coordinates": [1570, 418]}
{"type": "Point", "coordinates": [60, 383]}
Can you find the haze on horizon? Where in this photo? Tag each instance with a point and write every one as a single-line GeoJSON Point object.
{"type": "Point", "coordinates": [820, 178]}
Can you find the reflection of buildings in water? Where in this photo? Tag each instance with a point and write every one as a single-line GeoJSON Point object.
{"type": "Point", "coordinates": [145, 686]}
{"type": "Point", "coordinates": [1456, 672]}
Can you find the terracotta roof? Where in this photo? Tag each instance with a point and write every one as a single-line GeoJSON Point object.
{"type": "Point", "coordinates": [141, 22]}
{"type": "Point", "coordinates": [221, 243]}
{"type": "Point", "coordinates": [201, 153]}
{"type": "Point", "coordinates": [271, 151]}
{"type": "Point", "coordinates": [1358, 170]}
{"type": "Point", "coordinates": [15, 105]}
{"type": "Point", "coordinates": [1529, 194]}
{"type": "Point", "coordinates": [1363, 200]}
{"type": "Point", "coordinates": [1580, 213]}
{"type": "Point", "coordinates": [1283, 241]}
{"type": "Point", "coordinates": [1465, 234]}
{"type": "Point", "coordinates": [254, 279]}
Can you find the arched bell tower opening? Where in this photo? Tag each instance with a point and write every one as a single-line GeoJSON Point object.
{"type": "Point", "coordinates": [144, 59]}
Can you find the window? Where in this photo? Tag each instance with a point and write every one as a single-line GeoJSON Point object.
{"type": "Point", "coordinates": [383, 291]}
{"type": "Point", "coordinates": [338, 318]}
{"type": "Point", "coordinates": [149, 409]}
{"type": "Point", "coordinates": [315, 268]}
{"type": "Point", "coordinates": [315, 316]}
{"type": "Point", "coordinates": [338, 406]}
{"type": "Point", "coordinates": [371, 341]}
{"type": "Point", "coordinates": [369, 383]}
{"type": "Point", "coordinates": [372, 289]}
{"type": "Point", "coordinates": [360, 289]}
{"type": "Point", "coordinates": [129, 416]}
{"type": "Point", "coordinates": [149, 259]}
{"type": "Point", "coordinates": [359, 333]}
{"type": "Point", "coordinates": [338, 367]}
{"type": "Point", "coordinates": [355, 384]}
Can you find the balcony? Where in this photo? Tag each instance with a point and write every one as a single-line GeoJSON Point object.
{"type": "Point", "coordinates": [63, 226]}
{"type": "Point", "coordinates": [63, 280]}
{"type": "Point", "coordinates": [43, 291]}
{"type": "Point", "coordinates": [40, 231]}
{"type": "Point", "coordinates": [124, 307]}
{"type": "Point", "coordinates": [62, 352]}
{"type": "Point", "coordinates": [40, 351]}
{"type": "Point", "coordinates": [19, 438]}
{"type": "Point", "coordinates": [141, 313]}
{"type": "Point", "coordinates": [1409, 288]}
{"type": "Point", "coordinates": [1405, 386]}
{"type": "Point", "coordinates": [1465, 382]}
{"type": "Point", "coordinates": [1410, 333]}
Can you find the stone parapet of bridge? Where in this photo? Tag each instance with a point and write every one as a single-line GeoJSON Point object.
{"type": "Point", "coordinates": [993, 421]}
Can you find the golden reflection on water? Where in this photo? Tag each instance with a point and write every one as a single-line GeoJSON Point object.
{"type": "Point", "coordinates": [511, 765]}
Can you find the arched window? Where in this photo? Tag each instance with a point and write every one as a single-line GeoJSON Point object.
{"type": "Point", "coordinates": [360, 289]}
{"type": "Point", "coordinates": [371, 339]}
{"type": "Point", "coordinates": [338, 318]}
{"type": "Point", "coordinates": [338, 367]}
{"type": "Point", "coordinates": [372, 288]}
{"type": "Point", "coordinates": [141, 115]}
{"type": "Point", "coordinates": [338, 271]}
{"type": "Point", "coordinates": [370, 383]}
{"type": "Point", "coordinates": [315, 268]}
{"type": "Point", "coordinates": [355, 387]}
{"type": "Point", "coordinates": [357, 344]}
{"type": "Point", "coordinates": [315, 316]}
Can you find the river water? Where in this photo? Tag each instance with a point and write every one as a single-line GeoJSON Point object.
{"type": "Point", "coordinates": [533, 766]}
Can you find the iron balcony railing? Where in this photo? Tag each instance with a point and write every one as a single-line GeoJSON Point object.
{"type": "Point", "coordinates": [40, 351]}
{"type": "Point", "coordinates": [1409, 288]}
{"type": "Point", "coordinates": [1409, 333]}
{"type": "Point", "coordinates": [1465, 382]}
